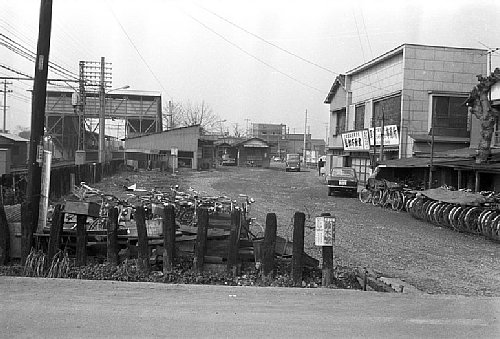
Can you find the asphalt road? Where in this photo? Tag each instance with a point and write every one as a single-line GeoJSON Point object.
{"type": "Point", "coordinates": [61, 308]}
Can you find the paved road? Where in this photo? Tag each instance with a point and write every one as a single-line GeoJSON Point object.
{"type": "Point", "coordinates": [56, 308]}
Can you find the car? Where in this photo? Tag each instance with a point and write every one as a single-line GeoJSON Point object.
{"type": "Point", "coordinates": [292, 162]}
{"type": "Point", "coordinates": [342, 179]}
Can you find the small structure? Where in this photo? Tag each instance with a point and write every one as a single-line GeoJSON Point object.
{"type": "Point", "coordinates": [14, 150]}
{"type": "Point", "coordinates": [253, 152]}
{"type": "Point", "coordinates": [192, 150]}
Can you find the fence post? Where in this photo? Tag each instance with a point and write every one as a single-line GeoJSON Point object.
{"type": "Point", "coordinates": [234, 237]}
{"type": "Point", "coordinates": [269, 244]}
{"type": "Point", "coordinates": [26, 231]}
{"type": "Point", "coordinates": [201, 239]}
{"type": "Point", "coordinates": [81, 240]}
{"type": "Point", "coordinates": [112, 239]}
{"type": "Point", "coordinates": [142, 238]}
{"type": "Point", "coordinates": [55, 232]}
{"type": "Point", "coordinates": [299, 220]}
{"type": "Point", "coordinates": [168, 238]}
{"type": "Point", "coordinates": [4, 237]}
{"type": "Point", "coordinates": [327, 267]}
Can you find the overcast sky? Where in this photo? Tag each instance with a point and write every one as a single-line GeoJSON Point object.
{"type": "Point", "coordinates": [266, 61]}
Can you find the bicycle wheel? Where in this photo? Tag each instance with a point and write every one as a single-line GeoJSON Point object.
{"type": "Point", "coordinates": [487, 224]}
{"type": "Point", "coordinates": [376, 197]}
{"type": "Point", "coordinates": [365, 196]}
{"type": "Point", "coordinates": [495, 228]}
{"type": "Point", "coordinates": [471, 219]}
{"type": "Point", "coordinates": [453, 217]}
{"type": "Point", "coordinates": [397, 200]}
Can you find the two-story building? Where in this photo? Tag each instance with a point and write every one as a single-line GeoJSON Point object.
{"type": "Point", "coordinates": [406, 102]}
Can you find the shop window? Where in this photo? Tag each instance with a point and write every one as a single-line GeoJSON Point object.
{"type": "Point", "coordinates": [359, 117]}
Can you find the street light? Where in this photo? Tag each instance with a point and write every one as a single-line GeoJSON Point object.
{"type": "Point", "coordinates": [102, 122]}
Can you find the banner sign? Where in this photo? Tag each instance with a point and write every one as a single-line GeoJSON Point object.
{"type": "Point", "coordinates": [325, 231]}
{"type": "Point", "coordinates": [391, 135]}
{"type": "Point", "coordinates": [356, 140]}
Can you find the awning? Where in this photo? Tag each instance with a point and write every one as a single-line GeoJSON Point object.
{"type": "Point", "coordinates": [419, 162]}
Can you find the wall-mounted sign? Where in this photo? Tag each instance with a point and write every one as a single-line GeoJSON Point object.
{"type": "Point", "coordinates": [391, 135]}
{"type": "Point", "coordinates": [325, 231]}
{"type": "Point", "coordinates": [356, 140]}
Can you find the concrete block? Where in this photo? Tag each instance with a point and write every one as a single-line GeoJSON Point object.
{"type": "Point", "coordinates": [433, 65]}
{"type": "Point", "coordinates": [455, 67]}
{"type": "Point", "coordinates": [424, 53]}
{"type": "Point", "coordinates": [443, 76]}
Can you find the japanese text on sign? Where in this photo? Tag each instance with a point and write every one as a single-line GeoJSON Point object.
{"type": "Point", "coordinates": [325, 231]}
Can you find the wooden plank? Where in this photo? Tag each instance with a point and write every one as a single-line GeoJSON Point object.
{"type": "Point", "coordinates": [201, 239]}
{"type": "Point", "coordinates": [269, 244]}
{"type": "Point", "coordinates": [142, 240]}
{"type": "Point", "coordinates": [4, 238]}
{"type": "Point", "coordinates": [112, 236]}
{"type": "Point", "coordinates": [234, 238]}
{"type": "Point", "coordinates": [299, 219]}
{"type": "Point", "coordinates": [81, 240]}
{"type": "Point", "coordinates": [55, 232]}
{"type": "Point", "coordinates": [168, 238]}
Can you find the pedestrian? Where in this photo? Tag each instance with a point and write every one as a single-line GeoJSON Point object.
{"type": "Point", "coordinates": [320, 165]}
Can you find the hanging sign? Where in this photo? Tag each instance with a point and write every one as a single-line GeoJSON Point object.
{"type": "Point", "coordinates": [391, 135]}
{"type": "Point", "coordinates": [324, 231]}
{"type": "Point", "coordinates": [356, 140]}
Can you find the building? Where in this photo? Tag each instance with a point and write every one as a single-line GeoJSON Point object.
{"type": "Point", "coordinates": [404, 103]}
{"type": "Point", "coordinates": [13, 152]}
{"type": "Point", "coordinates": [184, 146]}
{"type": "Point", "coordinates": [273, 134]}
{"type": "Point", "coordinates": [253, 152]}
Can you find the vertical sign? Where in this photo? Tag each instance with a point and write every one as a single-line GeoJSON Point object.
{"type": "Point", "coordinates": [325, 231]}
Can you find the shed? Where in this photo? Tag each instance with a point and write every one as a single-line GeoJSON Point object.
{"type": "Point", "coordinates": [17, 150]}
{"type": "Point", "coordinates": [253, 152]}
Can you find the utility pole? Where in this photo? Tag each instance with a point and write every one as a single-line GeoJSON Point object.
{"type": "Point", "coordinates": [38, 110]}
{"type": "Point", "coordinates": [247, 120]}
{"type": "Point", "coordinates": [102, 117]}
{"type": "Point", "coordinates": [5, 91]}
{"type": "Point", "coordinates": [305, 133]}
{"type": "Point", "coordinates": [171, 114]}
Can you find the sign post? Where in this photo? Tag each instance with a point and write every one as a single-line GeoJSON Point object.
{"type": "Point", "coordinates": [325, 237]}
{"type": "Point", "coordinates": [174, 152]}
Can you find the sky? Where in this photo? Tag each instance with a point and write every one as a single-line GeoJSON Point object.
{"type": "Point", "coordinates": [250, 61]}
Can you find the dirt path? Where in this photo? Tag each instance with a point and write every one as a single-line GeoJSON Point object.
{"type": "Point", "coordinates": [433, 259]}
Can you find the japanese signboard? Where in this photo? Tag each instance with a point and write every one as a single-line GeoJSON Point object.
{"type": "Point", "coordinates": [391, 135]}
{"type": "Point", "coordinates": [325, 231]}
{"type": "Point", "coordinates": [356, 140]}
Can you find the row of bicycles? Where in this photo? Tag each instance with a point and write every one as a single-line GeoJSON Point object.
{"type": "Point", "coordinates": [186, 203]}
{"type": "Point", "coordinates": [481, 219]}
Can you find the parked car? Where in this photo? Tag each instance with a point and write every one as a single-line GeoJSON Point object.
{"type": "Point", "coordinates": [342, 179]}
{"type": "Point", "coordinates": [292, 162]}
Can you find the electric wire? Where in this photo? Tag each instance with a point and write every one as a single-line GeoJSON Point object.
{"type": "Point", "coordinates": [251, 55]}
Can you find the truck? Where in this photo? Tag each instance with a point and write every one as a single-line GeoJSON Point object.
{"type": "Point", "coordinates": [292, 162]}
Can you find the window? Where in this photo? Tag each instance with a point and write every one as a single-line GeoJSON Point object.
{"type": "Point", "coordinates": [389, 110]}
{"type": "Point", "coordinates": [341, 120]}
{"type": "Point", "coordinates": [450, 116]}
{"type": "Point", "coordinates": [359, 117]}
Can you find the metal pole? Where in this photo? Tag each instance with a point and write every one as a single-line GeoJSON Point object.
{"type": "Point", "coordinates": [432, 148]}
{"type": "Point", "coordinates": [4, 106]}
{"type": "Point", "coordinates": [102, 116]}
{"type": "Point", "coordinates": [305, 131]}
{"type": "Point", "coordinates": [38, 109]}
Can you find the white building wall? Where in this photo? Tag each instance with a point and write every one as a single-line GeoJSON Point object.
{"type": "Point", "coordinates": [379, 80]}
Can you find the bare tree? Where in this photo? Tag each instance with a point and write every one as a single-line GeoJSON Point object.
{"type": "Point", "coordinates": [480, 105]}
{"type": "Point", "coordinates": [189, 114]}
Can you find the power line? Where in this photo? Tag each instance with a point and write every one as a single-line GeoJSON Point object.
{"type": "Point", "coordinates": [267, 41]}
{"type": "Point", "coordinates": [253, 56]}
{"type": "Point", "coordinates": [137, 50]}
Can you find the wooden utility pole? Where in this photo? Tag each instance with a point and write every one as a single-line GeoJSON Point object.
{"type": "Point", "coordinates": [38, 110]}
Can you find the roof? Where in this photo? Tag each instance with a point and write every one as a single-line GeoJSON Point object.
{"type": "Point", "coordinates": [160, 132]}
{"type": "Point", "coordinates": [13, 137]}
{"type": "Point", "coordinates": [253, 142]}
{"type": "Point", "coordinates": [339, 81]}
{"type": "Point", "coordinates": [399, 50]}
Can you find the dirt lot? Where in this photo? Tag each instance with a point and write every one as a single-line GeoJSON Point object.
{"type": "Point", "coordinates": [393, 244]}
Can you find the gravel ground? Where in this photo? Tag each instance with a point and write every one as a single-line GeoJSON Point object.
{"type": "Point", "coordinates": [393, 244]}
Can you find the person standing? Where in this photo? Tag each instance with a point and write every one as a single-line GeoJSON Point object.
{"type": "Point", "coordinates": [320, 165]}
